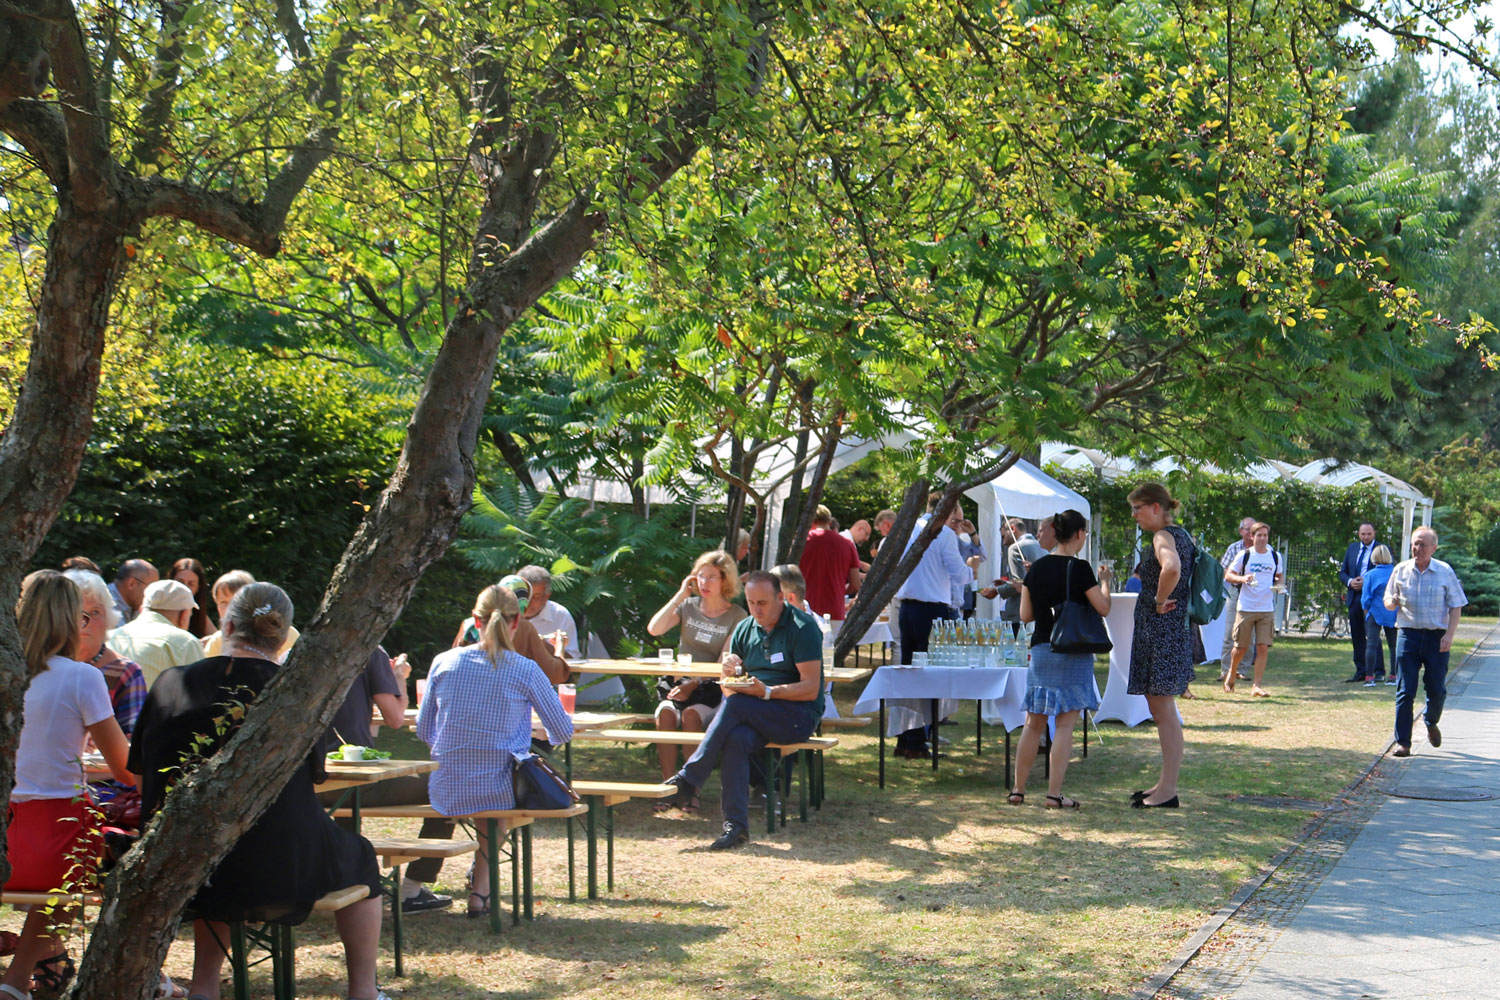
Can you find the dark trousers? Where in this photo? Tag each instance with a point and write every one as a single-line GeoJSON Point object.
{"type": "Point", "coordinates": [1416, 649]}
{"type": "Point", "coordinates": [915, 622]}
{"type": "Point", "coordinates": [739, 732]}
{"type": "Point", "coordinates": [1357, 632]}
{"type": "Point", "coordinates": [410, 790]}
{"type": "Point", "coordinates": [1374, 658]}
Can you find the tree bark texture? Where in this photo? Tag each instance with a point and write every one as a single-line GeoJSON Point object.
{"type": "Point", "coordinates": [42, 446]}
{"type": "Point", "coordinates": [815, 491]}
{"type": "Point", "coordinates": [891, 566]}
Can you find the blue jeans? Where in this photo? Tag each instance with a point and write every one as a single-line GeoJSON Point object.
{"type": "Point", "coordinates": [1417, 648]}
{"type": "Point", "coordinates": [739, 732]}
{"type": "Point", "coordinates": [1374, 656]}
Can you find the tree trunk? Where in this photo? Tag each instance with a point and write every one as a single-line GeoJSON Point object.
{"type": "Point", "coordinates": [889, 571]}
{"type": "Point", "coordinates": [734, 499]}
{"type": "Point", "coordinates": [791, 511]}
{"type": "Point", "coordinates": [43, 444]}
{"type": "Point", "coordinates": [409, 527]}
{"type": "Point", "coordinates": [815, 490]}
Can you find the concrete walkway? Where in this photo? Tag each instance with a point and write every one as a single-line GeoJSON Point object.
{"type": "Point", "coordinates": [1408, 904]}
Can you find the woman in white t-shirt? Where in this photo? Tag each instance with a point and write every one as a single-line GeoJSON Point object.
{"type": "Point", "coordinates": [53, 839]}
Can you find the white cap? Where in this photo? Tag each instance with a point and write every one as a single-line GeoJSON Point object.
{"type": "Point", "coordinates": [168, 595]}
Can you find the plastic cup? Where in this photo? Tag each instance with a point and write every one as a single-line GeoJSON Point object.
{"type": "Point", "coordinates": [684, 659]}
{"type": "Point", "coordinates": [568, 695]}
{"type": "Point", "coordinates": [666, 656]}
{"type": "Point", "coordinates": [354, 753]}
{"type": "Point", "coordinates": [919, 659]}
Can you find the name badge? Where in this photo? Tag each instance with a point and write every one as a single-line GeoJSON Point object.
{"type": "Point", "coordinates": [776, 657]}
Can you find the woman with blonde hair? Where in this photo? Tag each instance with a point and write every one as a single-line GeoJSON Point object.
{"type": "Point", "coordinates": [702, 607]}
{"type": "Point", "coordinates": [1379, 622]}
{"type": "Point", "coordinates": [476, 718]}
{"type": "Point", "coordinates": [1161, 652]}
{"type": "Point", "coordinates": [53, 839]}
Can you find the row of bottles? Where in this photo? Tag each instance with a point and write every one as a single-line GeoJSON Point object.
{"type": "Point", "coordinates": [978, 642]}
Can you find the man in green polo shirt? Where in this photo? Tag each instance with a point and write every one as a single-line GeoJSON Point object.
{"type": "Point", "coordinates": [781, 649]}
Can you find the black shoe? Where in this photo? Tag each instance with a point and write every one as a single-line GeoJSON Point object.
{"type": "Point", "coordinates": [734, 836]}
{"type": "Point", "coordinates": [425, 901]}
{"type": "Point", "coordinates": [1141, 803]}
{"type": "Point", "coordinates": [684, 796]}
{"type": "Point", "coordinates": [1137, 795]}
{"type": "Point", "coordinates": [1402, 750]}
{"type": "Point", "coordinates": [1434, 735]}
{"type": "Point", "coordinates": [1356, 679]}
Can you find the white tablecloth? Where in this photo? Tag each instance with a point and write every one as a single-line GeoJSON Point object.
{"type": "Point", "coordinates": [879, 632]}
{"type": "Point", "coordinates": [908, 692]}
{"type": "Point", "coordinates": [1120, 623]}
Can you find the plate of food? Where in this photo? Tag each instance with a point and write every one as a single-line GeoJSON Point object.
{"type": "Point", "coordinates": [742, 681]}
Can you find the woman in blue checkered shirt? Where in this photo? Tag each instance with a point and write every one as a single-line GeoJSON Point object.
{"type": "Point", "coordinates": [476, 717]}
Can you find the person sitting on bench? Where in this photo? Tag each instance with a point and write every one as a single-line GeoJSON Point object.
{"type": "Point", "coordinates": [781, 651]}
{"type": "Point", "coordinates": [476, 717]}
{"type": "Point", "coordinates": [295, 853]}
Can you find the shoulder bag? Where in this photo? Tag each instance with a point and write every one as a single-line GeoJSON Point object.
{"type": "Point", "coordinates": [1079, 628]}
{"type": "Point", "coordinates": [539, 786]}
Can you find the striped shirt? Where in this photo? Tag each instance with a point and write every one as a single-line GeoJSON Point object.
{"type": "Point", "coordinates": [1426, 596]}
{"type": "Point", "coordinates": [476, 718]}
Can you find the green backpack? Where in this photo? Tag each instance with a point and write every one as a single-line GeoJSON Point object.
{"type": "Point", "coordinates": [1206, 595]}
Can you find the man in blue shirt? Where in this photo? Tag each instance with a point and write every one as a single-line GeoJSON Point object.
{"type": "Point", "coordinates": [781, 651]}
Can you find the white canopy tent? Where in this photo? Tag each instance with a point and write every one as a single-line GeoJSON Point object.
{"type": "Point", "coordinates": [1321, 472]}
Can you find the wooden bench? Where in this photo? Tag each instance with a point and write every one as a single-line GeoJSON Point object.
{"type": "Point", "coordinates": [397, 851]}
{"type": "Point", "coordinates": [771, 766]}
{"type": "Point", "coordinates": [50, 898]}
{"type": "Point", "coordinates": [845, 722]}
{"type": "Point", "coordinates": [278, 940]}
{"type": "Point", "coordinates": [519, 821]}
{"type": "Point", "coordinates": [607, 795]}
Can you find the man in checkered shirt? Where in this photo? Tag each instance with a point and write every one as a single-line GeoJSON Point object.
{"type": "Point", "coordinates": [1428, 600]}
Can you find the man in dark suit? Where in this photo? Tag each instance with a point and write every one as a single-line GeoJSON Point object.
{"type": "Point", "coordinates": [1351, 575]}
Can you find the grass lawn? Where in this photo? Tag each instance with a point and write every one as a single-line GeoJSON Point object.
{"type": "Point", "coordinates": [931, 888]}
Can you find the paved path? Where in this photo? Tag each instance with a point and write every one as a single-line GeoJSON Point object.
{"type": "Point", "coordinates": [1397, 893]}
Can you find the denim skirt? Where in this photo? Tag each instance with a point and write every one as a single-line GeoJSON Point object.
{"type": "Point", "coordinates": [1059, 682]}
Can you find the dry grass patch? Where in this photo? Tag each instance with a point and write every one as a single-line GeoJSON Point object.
{"type": "Point", "coordinates": [932, 888]}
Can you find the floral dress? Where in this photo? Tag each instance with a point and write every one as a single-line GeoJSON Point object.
{"type": "Point", "coordinates": [1161, 652]}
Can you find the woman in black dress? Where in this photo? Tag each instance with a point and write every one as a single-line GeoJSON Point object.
{"type": "Point", "coordinates": [294, 853]}
{"type": "Point", "coordinates": [1161, 653]}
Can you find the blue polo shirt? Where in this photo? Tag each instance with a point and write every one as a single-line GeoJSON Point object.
{"type": "Point", "coordinates": [772, 657]}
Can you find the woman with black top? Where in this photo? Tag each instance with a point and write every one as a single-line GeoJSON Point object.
{"type": "Point", "coordinates": [1057, 684]}
{"type": "Point", "coordinates": [294, 853]}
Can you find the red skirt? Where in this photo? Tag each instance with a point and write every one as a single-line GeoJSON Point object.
{"type": "Point", "coordinates": [52, 844]}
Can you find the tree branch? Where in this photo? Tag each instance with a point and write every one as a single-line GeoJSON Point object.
{"type": "Point", "coordinates": [90, 179]}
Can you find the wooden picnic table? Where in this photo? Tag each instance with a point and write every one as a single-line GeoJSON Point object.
{"type": "Point", "coordinates": [712, 671]}
{"type": "Point", "coordinates": [343, 774]}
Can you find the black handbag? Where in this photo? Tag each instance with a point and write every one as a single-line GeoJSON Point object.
{"type": "Point", "coordinates": [1078, 628]}
{"type": "Point", "coordinates": [539, 786]}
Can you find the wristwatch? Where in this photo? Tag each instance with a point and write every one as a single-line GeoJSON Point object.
{"type": "Point", "coordinates": [765, 691]}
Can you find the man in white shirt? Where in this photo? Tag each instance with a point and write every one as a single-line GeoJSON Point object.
{"type": "Point", "coordinates": [547, 615]}
{"type": "Point", "coordinates": [927, 596]}
{"type": "Point", "coordinates": [156, 638]}
{"type": "Point", "coordinates": [1256, 570]}
{"type": "Point", "coordinates": [1231, 604]}
{"type": "Point", "coordinates": [1428, 599]}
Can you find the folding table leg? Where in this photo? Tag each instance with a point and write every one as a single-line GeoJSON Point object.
{"type": "Point", "coordinates": [609, 840]}
{"type": "Point", "coordinates": [593, 846]}
{"type": "Point", "coordinates": [806, 768]}
{"type": "Point", "coordinates": [515, 877]}
{"type": "Point", "coordinates": [978, 728]}
{"type": "Point", "coordinates": [492, 855]}
{"type": "Point", "coordinates": [526, 868]}
{"type": "Point", "coordinates": [239, 961]}
{"type": "Point", "coordinates": [882, 743]}
{"type": "Point", "coordinates": [772, 775]}
{"type": "Point", "coordinates": [396, 916]}
{"type": "Point", "coordinates": [934, 729]}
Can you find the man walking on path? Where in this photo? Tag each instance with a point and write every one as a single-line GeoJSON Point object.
{"type": "Point", "coordinates": [1428, 600]}
{"type": "Point", "coordinates": [1232, 603]}
{"type": "Point", "coordinates": [1256, 570]}
{"type": "Point", "coordinates": [1351, 575]}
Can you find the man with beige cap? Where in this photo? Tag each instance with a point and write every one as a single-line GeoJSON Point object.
{"type": "Point", "coordinates": [156, 638]}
